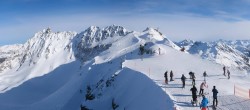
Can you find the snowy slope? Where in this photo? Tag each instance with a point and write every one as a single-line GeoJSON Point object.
{"type": "Point", "coordinates": [9, 53]}
{"type": "Point", "coordinates": [222, 52]}
{"type": "Point", "coordinates": [40, 55]}
{"type": "Point", "coordinates": [56, 68]}
{"type": "Point", "coordinates": [51, 63]}
{"type": "Point", "coordinates": [180, 63]}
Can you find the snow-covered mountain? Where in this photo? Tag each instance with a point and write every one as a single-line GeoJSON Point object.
{"type": "Point", "coordinates": [50, 55]}
{"type": "Point", "coordinates": [229, 53]}
{"type": "Point", "coordinates": [98, 69]}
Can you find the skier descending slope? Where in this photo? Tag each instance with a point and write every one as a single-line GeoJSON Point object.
{"type": "Point", "coordinates": [204, 103]}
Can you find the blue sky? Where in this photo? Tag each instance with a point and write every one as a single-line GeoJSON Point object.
{"type": "Point", "coordinates": [177, 19]}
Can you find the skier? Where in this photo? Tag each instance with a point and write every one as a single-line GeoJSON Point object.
{"type": "Point", "coordinates": [194, 95]}
{"type": "Point", "coordinates": [159, 49]}
{"type": "Point", "coordinates": [183, 79]}
{"type": "Point", "coordinates": [205, 75]}
{"type": "Point", "coordinates": [224, 71]}
{"type": "Point", "coordinates": [171, 75]}
{"type": "Point", "coordinates": [204, 103]}
{"type": "Point", "coordinates": [202, 87]}
{"type": "Point", "coordinates": [228, 74]}
{"type": "Point", "coordinates": [166, 77]}
{"type": "Point", "coordinates": [215, 92]}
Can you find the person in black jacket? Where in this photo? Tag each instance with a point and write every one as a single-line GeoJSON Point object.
{"type": "Point", "coordinates": [215, 92]}
{"type": "Point", "coordinates": [183, 79]}
{"type": "Point", "coordinates": [194, 94]}
{"type": "Point", "coordinates": [224, 70]}
{"type": "Point", "coordinates": [166, 77]}
{"type": "Point", "coordinates": [171, 75]}
{"type": "Point", "coordinates": [228, 74]}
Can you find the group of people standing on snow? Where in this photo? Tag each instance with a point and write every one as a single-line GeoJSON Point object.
{"type": "Point", "coordinates": [224, 72]}
{"type": "Point", "coordinates": [204, 102]}
{"type": "Point", "coordinates": [166, 76]}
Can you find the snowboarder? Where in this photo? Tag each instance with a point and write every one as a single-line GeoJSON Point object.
{"type": "Point", "coordinates": [202, 87]}
{"type": "Point", "coordinates": [204, 103]}
{"type": "Point", "coordinates": [171, 75]}
{"type": "Point", "coordinates": [205, 75]}
{"type": "Point", "coordinates": [183, 79]}
{"type": "Point", "coordinates": [166, 77]}
{"type": "Point", "coordinates": [194, 95]}
{"type": "Point", "coordinates": [215, 92]}
{"type": "Point", "coordinates": [224, 70]}
{"type": "Point", "coordinates": [228, 74]}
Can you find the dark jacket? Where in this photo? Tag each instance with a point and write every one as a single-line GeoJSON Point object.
{"type": "Point", "coordinates": [171, 74]}
{"type": "Point", "coordinates": [166, 74]}
{"type": "Point", "coordinates": [194, 90]}
{"type": "Point", "coordinates": [215, 92]}
{"type": "Point", "coordinates": [183, 78]}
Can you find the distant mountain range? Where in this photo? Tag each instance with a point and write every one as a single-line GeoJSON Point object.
{"type": "Point", "coordinates": [91, 42]}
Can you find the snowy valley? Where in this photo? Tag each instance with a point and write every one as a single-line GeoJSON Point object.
{"type": "Point", "coordinates": [103, 69]}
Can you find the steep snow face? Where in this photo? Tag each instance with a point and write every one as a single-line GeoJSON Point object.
{"type": "Point", "coordinates": [9, 54]}
{"type": "Point", "coordinates": [241, 45]}
{"type": "Point", "coordinates": [185, 43]}
{"type": "Point", "coordinates": [218, 51]}
{"type": "Point", "coordinates": [92, 36]}
{"type": "Point", "coordinates": [155, 36]}
{"type": "Point", "coordinates": [94, 40]}
{"type": "Point", "coordinates": [38, 56]}
{"type": "Point", "coordinates": [46, 44]}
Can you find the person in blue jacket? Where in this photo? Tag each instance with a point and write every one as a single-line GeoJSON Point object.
{"type": "Point", "coordinates": [204, 103]}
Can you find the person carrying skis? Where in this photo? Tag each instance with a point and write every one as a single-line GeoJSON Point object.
{"type": "Point", "coordinates": [215, 92]}
{"type": "Point", "coordinates": [194, 95]}
{"type": "Point", "coordinates": [228, 74]}
{"type": "Point", "coordinates": [204, 103]}
{"type": "Point", "coordinates": [171, 75]}
{"type": "Point", "coordinates": [183, 79]}
{"type": "Point", "coordinates": [166, 77]}
{"type": "Point", "coordinates": [224, 70]}
{"type": "Point", "coordinates": [202, 87]}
